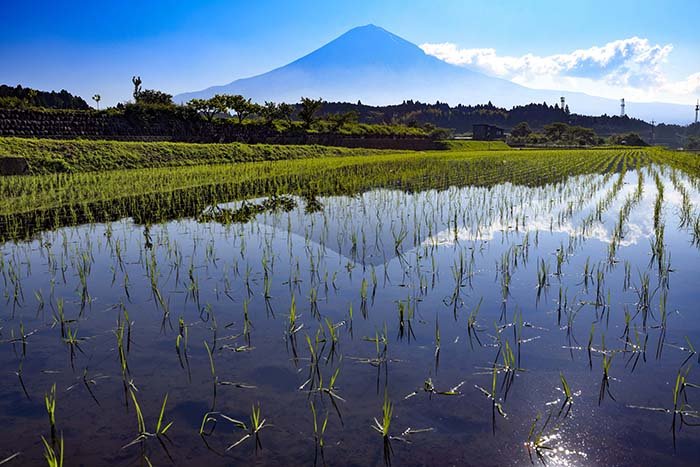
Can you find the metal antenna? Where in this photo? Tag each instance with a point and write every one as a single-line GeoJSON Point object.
{"type": "Point", "coordinates": [622, 107]}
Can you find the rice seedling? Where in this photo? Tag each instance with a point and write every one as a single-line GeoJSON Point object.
{"type": "Point", "coordinates": [429, 388]}
{"type": "Point", "coordinates": [538, 439]}
{"type": "Point", "coordinates": [605, 381]}
{"type": "Point", "coordinates": [492, 395]}
{"type": "Point", "coordinates": [181, 347]}
{"type": "Point", "coordinates": [568, 396]}
{"type": "Point", "coordinates": [384, 426]}
{"type": "Point", "coordinates": [52, 453]}
{"type": "Point", "coordinates": [319, 432]}
{"type": "Point", "coordinates": [87, 382]}
{"type": "Point", "coordinates": [257, 423]}
{"type": "Point", "coordinates": [682, 412]}
{"type": "Point", "coordinates": [159, 433]}
{"type": "Point", "coordinates": [50, 404]}
{"type": "Point", "coordinates": [472, 327]}
{"type": "Point", "coordinates": [405, 311]}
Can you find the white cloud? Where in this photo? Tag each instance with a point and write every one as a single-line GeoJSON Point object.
{"type": "Point", "coordinates": [633, 67]}
{"type": "Point", "coordinates": [690, 85]}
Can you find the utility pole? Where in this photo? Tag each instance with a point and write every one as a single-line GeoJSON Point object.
{"type": "Point", "coordinates": [697, 109]}
{"type": "Point", "coordinates": [622, 107]}
{"type": "Point", "coordinates": [652, 132]}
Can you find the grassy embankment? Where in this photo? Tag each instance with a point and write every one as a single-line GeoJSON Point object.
{"type": "Point", "coordinates": [55, 156]}
{"type": "Point", "coordinates": [62, 156]}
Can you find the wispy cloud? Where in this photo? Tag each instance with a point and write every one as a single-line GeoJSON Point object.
{"type": "Point", "coordinates": [633, 67]}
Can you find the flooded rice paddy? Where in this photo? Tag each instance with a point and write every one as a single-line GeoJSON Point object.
{"type": "Point", "coordinates": [466, 314]}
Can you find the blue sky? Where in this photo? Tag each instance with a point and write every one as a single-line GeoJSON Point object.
{"type": "Point", "coordinates": [177, 46]}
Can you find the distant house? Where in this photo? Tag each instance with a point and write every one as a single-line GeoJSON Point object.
{"type": "Point", "coordinates": [483, 132]}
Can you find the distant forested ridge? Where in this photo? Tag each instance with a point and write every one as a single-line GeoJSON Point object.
{"type": "Point", "coordinates": [461, 118]}
{"type": "Point", "coordinates": [20, 97]}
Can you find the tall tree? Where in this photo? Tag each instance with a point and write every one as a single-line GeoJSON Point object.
{"type": "Point", "coordinates": [521, 130]}
{"type": "Point", "coordinates": [154, 97]}
{"type": "Point", "coordinates": [136, 80]}
{"type": "Point", "coordinates": [241, 106]}
{"type": "Point", "coordinates": [309, 108]}
{"type": "Point", "coordinates": [97, 98]}
{"type": "Point", "coordinates": [285, 111]}
{"type": "Point", "coordinates": [209, 107]}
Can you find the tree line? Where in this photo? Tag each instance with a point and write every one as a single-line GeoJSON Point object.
{"type": "Point", "coordinates": [335, 115]}
{"type": "Point", "coordinates": [19, 97]}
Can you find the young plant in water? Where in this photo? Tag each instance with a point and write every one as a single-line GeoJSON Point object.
{"type": "Point", "coordinates": [319, 432]}
{"type": "Point", "coordinates": [384, 426]}
{"type": "Point", "coordinates": [53, 456]}
{"type": "Point", "coordinates": [160, 432]}
{"type": "Point", "coordinates": [257, 423]}
{"type": "Point", "coordinates": [50, 404]}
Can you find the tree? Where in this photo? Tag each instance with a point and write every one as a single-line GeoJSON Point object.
{"type": "Point", "coordinates": [154, 97]}
{"type": "Point", "coordinates": [285, 111]}
{"type": "Point", "coordinates": [309, 108]}
{"type": "Point", "coordinates": [97, 98]}
{"type": "Point", "coordinates": [136, 80]}
{"type": "Point", "coordinates": [628, 139]}
{"type": "Point", "coordinates": [693, 143]}
{"type": "Point", "coordinates": [31, 95]}
{"type": "Point", "coordinates": [339, 120]}
{"type": "Point", "coordinates": [241, 106]}
{"type": "Point", "coordinates": [521, 130]}
{"type": "Point", "coordinates": [209, 107]}
{"type": "Point", "coordinates": [555, 131]}
{"type": "Point", "coordinates": [269, 112]}
{"type": "Point", "coordinates": [580, 136]}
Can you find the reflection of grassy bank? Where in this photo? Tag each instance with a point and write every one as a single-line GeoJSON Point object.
{"type": "Point", "coordinates": [34, 203]}
{"type": "Point", "coordinates": [50, 156]}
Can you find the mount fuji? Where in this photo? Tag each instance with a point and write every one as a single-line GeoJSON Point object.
{"type": "Point", "coordinates": [370, 64]}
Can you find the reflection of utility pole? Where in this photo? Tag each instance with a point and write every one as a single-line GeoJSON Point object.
{"type": "Point", "coordinates": [652, 132]}
{"type": "Point", "coordinates": [622, 107]}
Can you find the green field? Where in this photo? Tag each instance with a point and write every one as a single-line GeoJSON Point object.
{"type": "Point", "coordinates": [182, 179]}
{"type": "Point", "coordinates": [490, 297]}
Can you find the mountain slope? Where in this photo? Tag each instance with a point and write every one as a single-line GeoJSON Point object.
{"type": "Point", "coordinates": [377, 67]}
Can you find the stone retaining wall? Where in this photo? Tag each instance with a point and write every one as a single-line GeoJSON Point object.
{"type": "Point", "coordinates": [144, 127]}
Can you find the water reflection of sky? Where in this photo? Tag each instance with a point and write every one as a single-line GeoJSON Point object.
{"type": "Point", "coordinates": [542, 216]}
{"type": "Point", "coordinates": [328, 255]}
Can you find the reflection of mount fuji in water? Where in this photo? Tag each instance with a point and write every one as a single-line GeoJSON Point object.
{"type": "Point", "coordinates": [359, 229]}
{"type": "Point", "coordinates": [377, 67]}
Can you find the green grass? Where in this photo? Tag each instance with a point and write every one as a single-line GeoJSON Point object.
{"type": "Point", "coordinates": [46, 156]}
{"type": "Point", "coordinates": [468, 145]}
{"type": "Point", "coordinates": [55, 156]}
